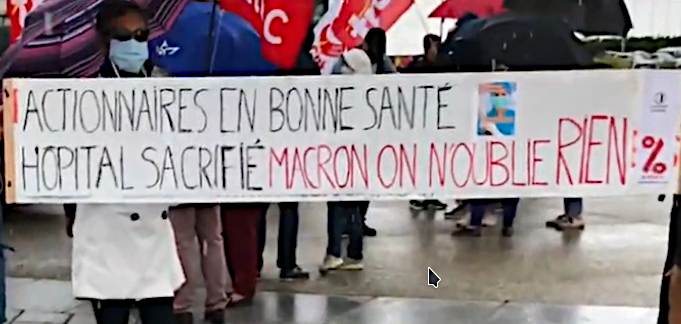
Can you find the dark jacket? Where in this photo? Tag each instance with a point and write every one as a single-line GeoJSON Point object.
{"type": "Point", "coordinates": [420, 65]}
{"type": "Point", "coordinates": [107, 71]}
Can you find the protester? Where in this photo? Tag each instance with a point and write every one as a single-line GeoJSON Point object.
{"type": "Point", "coordinates": [428, 62]}
{"type": "Point", "coordinates": [670, 289]}
{"type": "Point", "coordinates": [287, 243]}
{"type": "Point", "coordinates": [374, 45]}
{"type": "Point", "coordinates": [346, 214]}
{"type": "Point", "coordinates": [572, 218]}
{"type": "Point", "coordinates": [239, 227]}
{"type": "Point", "coordinates": [202, 221]}
{"type": "Point", "coordinates": [124, 255]}
{"type": "Point", "coordinates": [478, 208]}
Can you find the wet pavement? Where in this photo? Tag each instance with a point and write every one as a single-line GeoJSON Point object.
{"type": "Point", "coordinates": [49, 302]}
{"type": "Point", "coordinates": [616, 261]}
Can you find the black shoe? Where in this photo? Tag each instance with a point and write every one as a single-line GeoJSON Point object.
{"type": "Point", "coordinates": [368, 231]}
{"type": "Point", "coordinates": [507, 232]}
{"type": "Point", "coordinates": [294, 274]}
{"type": "Point", "coordinates": [436, 204]}
{"type": "Point", "coordinates": [472, 231]}
{"type": "Point", "coordinates": [215, 317]}
{"type": "Point", "coordinates": [184, 318]}
{"type": "Point", "coordinates": [455, 211]}
{"type": "Point", "coordinates": [416, 205]}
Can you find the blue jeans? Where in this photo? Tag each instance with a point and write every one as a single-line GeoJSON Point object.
{"type": "Point", "coordinates": [479, 207]}
{"type": "Point", "coordinates": [342, 215]}
{"type": "Point", "coordinates": [572, 206]}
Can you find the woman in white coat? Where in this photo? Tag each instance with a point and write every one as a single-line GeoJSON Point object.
{"type": "Point", "coordinates": [124, 255]}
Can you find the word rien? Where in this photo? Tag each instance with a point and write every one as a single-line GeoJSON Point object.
{"type": "Point", "coordinates": [596, 142]}
{"type": "Point", "coordinates": [235, 110]}
{"type": "Point", "coordinates": [219, 167]}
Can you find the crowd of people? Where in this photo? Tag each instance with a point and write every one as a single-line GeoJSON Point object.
{"type": "Point", "coordinates": [153, 256]}
{"type": "Point", "coordinates": [146, 256]}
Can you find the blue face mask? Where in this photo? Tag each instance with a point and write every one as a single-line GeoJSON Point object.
{"type": "Point", "coordinates": [500, 101]}
{"type": "Point", "coordinates": [129, 55]}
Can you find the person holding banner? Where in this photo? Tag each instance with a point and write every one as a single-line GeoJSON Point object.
{"type": "Point", "coordinates": [287, 242]}
{"type": "Point", "coordinates": [124, 255]}
{"type": "Point", "coordinates": [202, 222]}
{"type": "Point", "coordinates": [348, 215]}
{"type": "Point", "coordinates": [374, 45]}
{"type": "Point", "coordinates": [239, 229]}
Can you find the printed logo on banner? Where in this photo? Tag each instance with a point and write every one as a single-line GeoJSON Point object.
{"type": "Point", "coordinates": [660, 99]}
{"type": "Point", "coordinates": [655, 143]}
{"type": "Point", "coordinates": [659, 103]}
{"type": "Point", "coordinates": [497, 109]}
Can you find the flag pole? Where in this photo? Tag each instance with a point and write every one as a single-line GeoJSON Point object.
{"type": "Point", "coordinates": [211, 37]}
{"type": "Point", "coordinates": [442, 28]}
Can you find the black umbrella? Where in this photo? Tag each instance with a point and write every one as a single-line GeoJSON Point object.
{"type": "Point", "coordinates": [590, 17]}
{"type": "Point", "coordinates": [517, 41]}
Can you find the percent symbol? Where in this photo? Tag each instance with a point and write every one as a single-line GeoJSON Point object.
{"type": "Point", "coordinates": [655, 145]}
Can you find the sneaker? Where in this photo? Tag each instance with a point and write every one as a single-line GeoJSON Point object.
{"type": "Point", "coordinates": [507, 232]}
{"type": "Point", "coordinates": [215, 317]}
{"type": "Point", "coordinates": [294, 274]}
{"type": "Point", "coordinates": [489, 220]}
{"type": "Point", "coordinates": [184, 318]}
{"type": "Point", "coordinates": [472, 231]}
{"type": "Point", "coordinates": [435, 204]}
{"type": "Point", "coordinates": [416, 205]}
{"type": "Point", "coordinates": [368, 231]}
{"type": "Point", "coordinates": [352, 265]}
{"type": "Point", "coordinates": [331, 263]}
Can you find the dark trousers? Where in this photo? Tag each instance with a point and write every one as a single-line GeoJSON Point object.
{"type": "Point", "coordinates": [239, 225]}
{"type": "Point", "coordinates": [478, 207]}
{"type": "Point", "coordinates": [363, 209]}
{"type": "Point", "coordinates": [152, 311]}
{"type": "Point", "coordinates": [663, 317]}
{"type": "Point", "coordinates": [288, 236]}
{"type": "Point", "coordinates": [572, 206]}
{"type": "Point", "coordinates": [342, 215]}
{"type": "Point", "coordinates": [3, 293]}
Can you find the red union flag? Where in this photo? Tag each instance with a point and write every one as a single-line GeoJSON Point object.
{"type": "Point", "coordinates": [282, 25]}
{"type": "Point", "coordinates": [356, 17]}
{"type": "Point", "coordinates": [17, 11]}
{"type": "Point", "coordinates": [347, 22]}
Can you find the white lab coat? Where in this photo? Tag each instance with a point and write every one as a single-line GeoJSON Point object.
{"type": "Point", "coordinates": [124, 251]}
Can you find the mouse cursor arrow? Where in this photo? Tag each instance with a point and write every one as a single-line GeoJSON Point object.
{"type": "Point", "coordinates": [433, 278]}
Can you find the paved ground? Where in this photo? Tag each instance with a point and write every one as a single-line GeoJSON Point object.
{"type": "Point", "coordinates": [616, 261]}
{"type": "Point", "coordinates": [50, 302]}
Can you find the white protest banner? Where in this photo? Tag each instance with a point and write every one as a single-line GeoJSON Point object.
{"type": "Point", "coordinates": [342, 137]}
